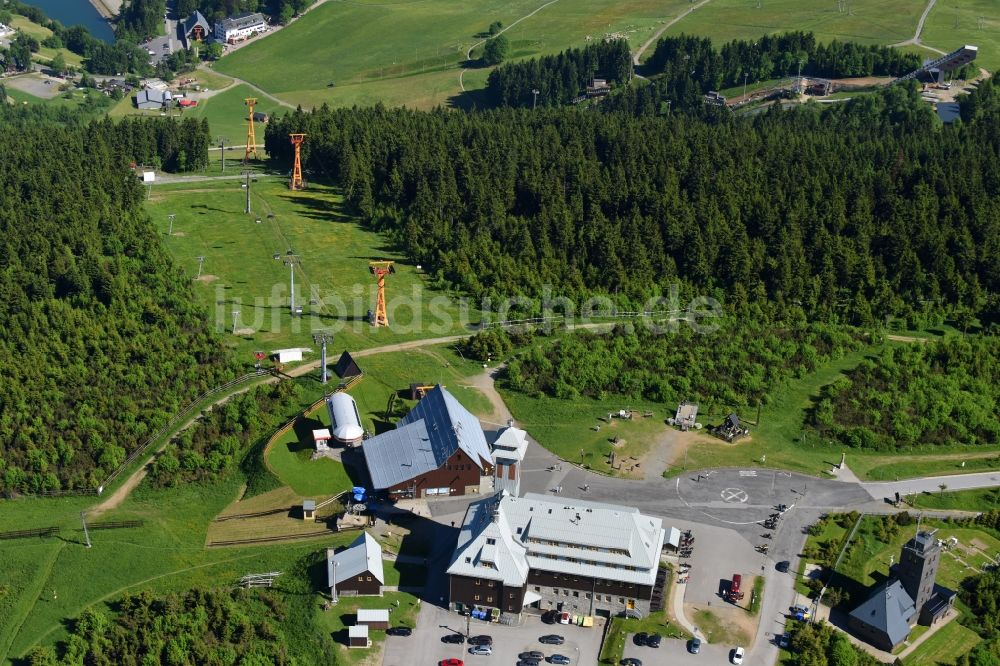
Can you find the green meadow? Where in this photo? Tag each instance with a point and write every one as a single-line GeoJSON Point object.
{"type": "Point", "coordinates": [349, 60]}
{"type": "Point", "coordinates": [245, 267]}
{"type": "Point", "coordinates": [867, 21]}
{"type": "Point", "coordinates": [953, 23]}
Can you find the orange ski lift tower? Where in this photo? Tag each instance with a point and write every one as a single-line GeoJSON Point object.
{"type": "Point", "coordinates": [380, 269]}
{"type": "Point", "coordinates": [296, 182]}
{"type": "Point", "coordinates": [251, 137]}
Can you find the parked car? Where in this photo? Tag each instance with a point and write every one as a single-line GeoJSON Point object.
{"type": "Point", "coordinates": [399, 631]}
{"type": "Point", "coordinates": [529, 662]}
{"type": "Point", "coordinates": [451, 662]}
{"type": "Point", "coordinates": [630, 661]}
{"type": "Point", "coordinates": [737, 656]}
{"type": "Point", "coordinates": [694, 646]}
{"type": "Point", "coordinates": [455, 639]}
{"type": "Point", "coordinates": [800, 612]}
{"type": "Point", "coordinates": [552, 639]}
{"type": "Point", "coordinates": [564, 618]}
{"type": "Point", "coordinates": [533, 654]}
{"type": "Point", "coordinates": [559, 659]}
{"type": "Point", "coordinates": [653, 640]}
{"type": "Point", "coordinates": [783, 640]}
{"type": "Point", "coordinates": [481, 640]}
{"type": "Point", "coordinates": [639, 638]}
{"type": "Point", "coordinates": [481, 650]}
{"type": "Point", "coordinates": [782, 566]}
{"type": "Point", "coordinates": [550, 617]}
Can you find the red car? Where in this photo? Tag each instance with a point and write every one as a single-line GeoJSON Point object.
{"type": "Point", "coordinates": [451, 662]}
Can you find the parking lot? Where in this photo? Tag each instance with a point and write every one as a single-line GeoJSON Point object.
{"type": "Point", "coordinates": [676, 652]}
{"type": "Point", "coordinates": [582, 645]}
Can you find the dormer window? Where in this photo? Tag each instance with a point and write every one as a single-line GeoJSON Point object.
{"type": "Point", "coordinates": [491, 541]}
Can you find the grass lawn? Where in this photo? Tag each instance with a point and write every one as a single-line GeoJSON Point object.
{"type": "Point", "coordinates": [566, 427]}
{"type": "Point", "coordinates": [418, 67]}
{"type": "Point", "coordinates": [208, 78]}
{"type": "Point", "coordinates": [29, 28]}
{"type": "Point", "coordinates": [227, 116]}
{"type": "Point", "coordinates": [289, 459]}
{"type": "Point", "coordinates": [718, 631]}
{"type": "Point", "coordinates": [787, 445]}
{"type": "Point", "coordinates": [953, 23]}
{"type": "Point", "coordinates": [965, 500]}
{"type": "Point", "coordinates": [882, 22]}
{"type": "Point", "coordinates": [241, 273]}
{"type": "Point", "coordinates": [946, 645]}
{"type": "Point", "coordinates": [757, 596]}
{"type": "Point", "coordinates": [654, 623]}
{"type": "Point", "coordinates": [343, 614]}
{"type": "Point", "coordinates": [166, 554]}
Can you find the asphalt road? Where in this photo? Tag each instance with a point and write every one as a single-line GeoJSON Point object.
{"type": "Point", "coordinates": [724, 509]}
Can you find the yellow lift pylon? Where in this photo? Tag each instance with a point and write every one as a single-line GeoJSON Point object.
{"type": "Point", "coordinates": [251, 137]}
{"type": "Point", "coordinates": [296, 182]}
{"type": "Point", "coordinates": [380, 269]}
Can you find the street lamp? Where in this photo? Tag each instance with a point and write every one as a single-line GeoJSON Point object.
{"type": "Point", "coordinates": [534, 99]}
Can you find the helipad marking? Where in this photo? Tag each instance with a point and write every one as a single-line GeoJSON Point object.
{"type": "Point", "coordinates": [734, 495]}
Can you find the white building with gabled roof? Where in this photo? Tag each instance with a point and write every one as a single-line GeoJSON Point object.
{"type": "Point", "coordinates": [583, 557]}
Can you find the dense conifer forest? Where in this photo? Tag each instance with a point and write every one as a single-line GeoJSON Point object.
{"type": "Point", "coordinates": [866, 209]}
{"type": "Point", "coordinates": [738, 364]}
{"type": "Point", "coordinates": [941, 393]}
{"type": "Point", "coordinates": [200, 626]}
{"type": "Point", "coordinates": [101, 341]}
{"type": "Point", "coordinates": [222, 437]}
{"type": "Point", "coordinates": [559, 78]}
{"type": "Point", "coordinates": [683, 68]}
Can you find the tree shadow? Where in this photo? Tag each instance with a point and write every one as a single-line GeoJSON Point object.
{"type": "Point", "coordinates": [303, 432]}
{"type": "Point", "coordinates": [470, 100]}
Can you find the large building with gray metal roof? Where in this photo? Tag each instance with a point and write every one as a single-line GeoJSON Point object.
{"type": "Point", "coordinates": [571, 555]}
{"type": "Point", "coordinates": [437, 450]}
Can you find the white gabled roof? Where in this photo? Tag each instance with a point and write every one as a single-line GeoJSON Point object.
{"type": "Point", "coordinates": [358, 631]}
{"type": "Point", "coordinates": [504, 559]}
{"type": "Point", "coordinates": [363, 555]}
{"type": "Point", "coordinates": [504, 536]}
{"type": "Point", "coordinates": [366, 615]}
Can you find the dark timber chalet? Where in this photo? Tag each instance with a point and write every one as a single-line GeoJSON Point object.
{"type": "Point", "coordinates": [356, 570]}
{"type": "Point", "coordinates": [436, 450]}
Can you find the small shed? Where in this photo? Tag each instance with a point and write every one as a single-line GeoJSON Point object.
{"type": "Point", "coordinates": [598, 88]}
{"type": "Point", "coordinates": [374, 618]}
{"type": "Point", "coordinates": [309, 510]}
{"type": "Point", "coordinates": [148, 176]}
{"type": "Point", "coordinates": [347, 367]}
{"type": "Point", "coordinates": [321, 438]}
{"type": "Point", "coordinates": [673, 538]}
{"type": "Point", "coordinates": [260, 117]}
{"type": "Point", "coordinates": [287, 355]}
{"type": "Point", "coordinates": [686, 416]}
{"type": "Point", "coordinates": [358, 636]}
